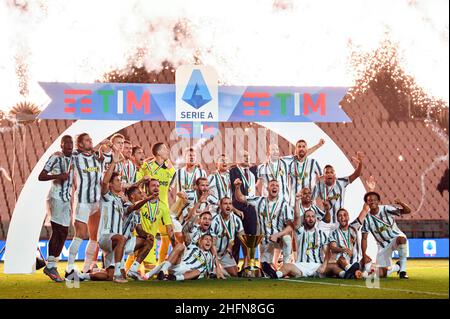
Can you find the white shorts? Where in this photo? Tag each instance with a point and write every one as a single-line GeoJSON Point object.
{"type": "Point", "coordinates": [384, 255]}
{"type": "Point", "coordinates": [266, 251]}
{"type": "Point", "coordinates": [129, 246]}
{"type": "Point", "coordinates": [84, 210]}
{"type": "Point", "coordinates": [177, 228]}
{"type": "Point", "coordinates": [308, 269]}
{"type": "Point", "coordinates": [105, 243]}
{"type": "Point", "coordinates": [59, 211]}
{"type": "Point", "coordinates": [180, 269]}
{"type": "Point", "coordinates": [227, 261]}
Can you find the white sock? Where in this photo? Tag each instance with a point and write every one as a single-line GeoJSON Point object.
{"type": "Point", "coordinates": [135, 266]}
{"type": "Point", "coordinates": [179, 277]}
{"type": "Point", "coordinates": [394, 268]}
{"type": "Point", "coordinates": [166, 265]}
{"type": "Point", "coordinates": [117, 272]}
{"type": "Point", "coordinates": [342, 274]}
{"type": "Point", "coordinates": [73, 251]}
{"type": "Point", "coordinates": [347, 267]}
{"type": "Point", "coordinates": [84, 276]}
{"type": "Point", "coordinates": [287, 249]}
{"type": "Point", "coordinates": [402, 254]}
{"type": "Point", "coordinates": [154, 271]}
{"type": "Point", "coordinates": [279, 274]}
{"type": "Point", "coordinates": [51, 262]}
{"type": "Point", "coordinates": [91, 247]}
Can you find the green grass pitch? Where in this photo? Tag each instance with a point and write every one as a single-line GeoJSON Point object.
{"type": "Point", "coordinates": [428, 279]}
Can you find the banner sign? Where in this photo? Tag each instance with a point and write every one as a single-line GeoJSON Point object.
{"type": "Point", "coordinates": [196, 97]}
{"type": "Point", "coordinates": [417, 248]}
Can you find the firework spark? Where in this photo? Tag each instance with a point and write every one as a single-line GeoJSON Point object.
{"type": "Point", "coordinates": [279, 42]}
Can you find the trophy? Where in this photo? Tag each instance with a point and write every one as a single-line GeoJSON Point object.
{"type": "Point", "coordinates": [251, 242]}
{"type": "Point", "coordinates": [177, 208]}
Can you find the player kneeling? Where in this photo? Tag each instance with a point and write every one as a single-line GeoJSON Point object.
{"type": "Point", "coordinates": [184, 263]}
{"type": "Point", "coordinates": [141, 244]}
{"type": "Point", "coordinates": [111, 239]}
{"type": "Point", "coordinates": [313, 252]}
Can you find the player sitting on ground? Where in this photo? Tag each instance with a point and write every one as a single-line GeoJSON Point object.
{"type": "Point", "coordinates": [313, 253]}
{"type": "Point", "coordinates": [344, 243]}
{"type": "Point", "coordinates": [193, 262]}
{"type": "Point", "coordinates": [381, 224]}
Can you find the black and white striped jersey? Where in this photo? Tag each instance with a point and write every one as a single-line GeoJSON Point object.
{"type": "Point", "coordinates": [320, 214]}
{"type": "Point", "coordinates": [348, 239]}
{"type": "Point", "coordinates": [225, 231]}
{"type": "Point", "coordinates": [273, 216]}
{"type": "Point", "coordinates": [310, 244]}
{"type": "Point", "coordinates": [88, 174]}
{"type": "Point", "coordinates": [127, 170]}
{"type": "Point", "coordinates": [382, 225]}
{"type": "Point", "coordinates": [278, 171]}
{"type": "Point", "coordinates": [56, 165]}
{"type": "Point", "coordinates": [220, 185]}
{"type": "Point", "coordinates": [335, 194]}
{"type": "Point", "coordinates": [112, 211]}
{"type": "Point", "coordinates": [192, 233]}
{"type": "Point", "coordinates": [107, 160]}
{"type": "Point", "coordinates": [130, 222]}
{"type": "Point", "coordinates": [192, 197]}
{"type": "Point", "coordinates": [302, 174]}
{"type": "Point", "coordinates": [195, 258]}
{"type": "Point", "coordinates": [184, 180]}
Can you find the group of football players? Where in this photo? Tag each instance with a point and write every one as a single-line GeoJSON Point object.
{"type": "Point", "coordinates": [118, 198]}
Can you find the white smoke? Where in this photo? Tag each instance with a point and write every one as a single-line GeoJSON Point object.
{"type": "Point", "coordinates": [252, 42]}
{"type": "Point", "coordinates": [436, 161]}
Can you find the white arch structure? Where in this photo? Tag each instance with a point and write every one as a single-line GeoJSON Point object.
{"type": "Point", "coordinates": [29, 212]}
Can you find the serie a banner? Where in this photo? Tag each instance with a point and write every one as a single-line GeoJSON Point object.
{"type": "Point", "coordinates": [196, 97]}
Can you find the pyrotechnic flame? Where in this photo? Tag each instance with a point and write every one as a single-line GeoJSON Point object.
{"type": "Point", "coordinates": [436, 161]}
{"type": "Point", "coordinates": [24, 112]}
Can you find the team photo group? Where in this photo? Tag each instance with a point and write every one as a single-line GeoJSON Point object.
{"type": "Point", "coordinates": [150, 220]}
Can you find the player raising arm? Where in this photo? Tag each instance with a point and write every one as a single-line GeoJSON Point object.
{"type": "Point", "coordinates": [313, 256]}
{"type": "Point", "coordinates": [225, 229]}
{"type": "Point", "coordinates": [274, 216]}
{"type": "Point", "coordinates": [381, 224]}
{"type": "Point", "coordinates": [344, 243]}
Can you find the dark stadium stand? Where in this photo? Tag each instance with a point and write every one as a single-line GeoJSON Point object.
{"type": "Point", "coordinates": [382, 139]}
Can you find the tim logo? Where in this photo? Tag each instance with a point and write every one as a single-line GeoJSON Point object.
{"type": "Point", "coordinates": [429, 248]}
{"type": "Point", "coordinates": [196, 94]}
